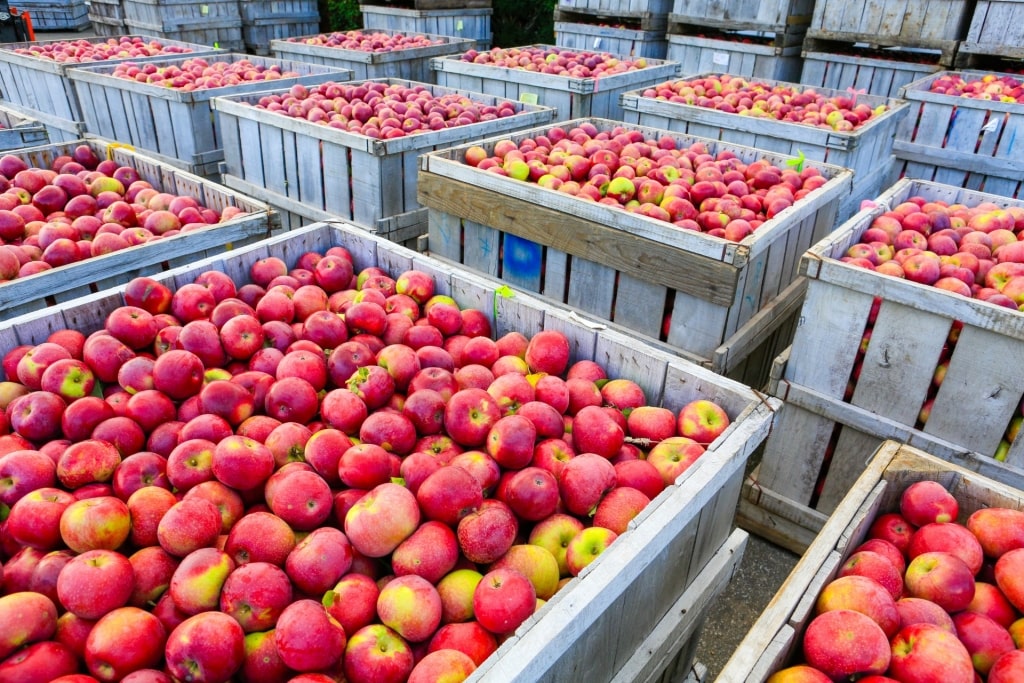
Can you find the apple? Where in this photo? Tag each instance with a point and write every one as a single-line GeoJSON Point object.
{"type": "Point", "coordinates": [308, 638]}
{"type": "Point", "coordinates": [382, 519]}
{"type": "Point", "coordinates": [28, 617]}
{"type": "Point", "coordinates": [928, 652]}
{"type": "Point", "coordinates": [124, 640]}
{"type": "Point", "coordinates": [842, 643]}
{"type": "Point", "coordinates": [431, 552]}
{"type": "Point", "coordinates": [942, 578]}
{"type": "Point", "coordinates": [375, 653]}
{"type": "Point", "coordinates": [503, 600]}
{"type": "Point", "coordinates": [95, 582]}
{"type": "Point", "coordinates": [207, 646]}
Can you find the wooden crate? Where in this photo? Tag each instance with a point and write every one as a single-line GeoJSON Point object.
{"type": "Point", "coordinates": [18, 130]}
{"type": "Point", "coordinates": [774, 641]}
{"type": "Point", "coordinates": [211, 22]}
{"type": "Point", "coordinates": [474, 24]}
{"type": "Point", "coordinates": [618, 40]}
{"type": "Point", "coordinates": [412, 64]}
{"type": "Point", "coordinates": [961, 141]}
{"type": "Point", "coordinates": [882, 72]}
{"type": "Point", "coordinates": [997, 28]}
{"type": "Point", "coordinates": [177, 125]}
{"type": "Point", "coordinates": [780, 16]}
{"type": "Point", "coordinates": [107, 17]}
{"type": "Point", "coordinates": [56, 15]}
{"type": "Point", "coordinates": [61, 284]}
{"type": "Point", "coordinates": [264, 21]}
{"type": "Point", "coordinates": [814, 454]}
{"type": "Point", "coordinates": [636, 612]}
{"type": "Point", "coordinates": [716, 298]}
{"type": "Point", "coordinates": [935, 24]}
{"type": "Point", "coordinates": [570, 97]}
{"type": "Point", "coordinates": [864, 151]}
{"type": "Point", "coordinates": [435, 4]}
{"type": "Point", "coordinates": [728, 53]}
{"type": "Point", "coordinates": [322, 173]}
{"type": "Point", "coordinates": [42, 85]}
{"type": "Point", "coordinates": [636, 15]}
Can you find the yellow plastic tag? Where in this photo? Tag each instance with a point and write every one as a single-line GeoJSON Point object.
{"type": "Point", "coordinates": [111, 146]}
{"type": "Point", "coordinates": [528, 97]}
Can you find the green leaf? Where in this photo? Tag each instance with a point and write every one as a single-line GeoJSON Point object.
{"type": "Point", "coordinates": [798, 163]}
{"type": "Point", "coordinates": [504, 292]}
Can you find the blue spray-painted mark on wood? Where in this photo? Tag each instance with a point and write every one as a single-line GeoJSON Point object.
{"type": "Point", "coordinates": [521, 258]}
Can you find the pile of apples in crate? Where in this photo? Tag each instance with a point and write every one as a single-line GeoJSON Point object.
{"type": "Point", "coordinates": [926, 598]}
{"type": "Point", "coordinates": [554, 60]}
{"type": "Point", "coordinates": [319, 474]}
{"type": "Point", "coordinates": [382, 110]}
{"type": "Point", "coordinates": [83, 207]}
{"type": "Point", "coordinates": [997, 87]}
{"type": "Point", "coordinates": [79, 51]}
{"type": "Point", "coordinates": [719, 195]}
{"type": "Point", "coordinates": [368, 41]}
{"type": "Point", "coordinates": [782, 102]}
{"type": "Point", "coordinates": [975, 251]}
{"type": "Point", "coordinates": [197, 73]}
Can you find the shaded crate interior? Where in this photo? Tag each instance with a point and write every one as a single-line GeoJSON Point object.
{"type": "Point", "coordinates": [474, 24]}
{"type": "Point", "coordinates": [878, 71]}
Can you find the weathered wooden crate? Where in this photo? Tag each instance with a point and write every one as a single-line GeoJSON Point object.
{"type": "Point", "coordinates": [264, 21]}
{"type": "Point", "coordinates": [780, 16]}
{"type": "Point", "coordinates": [61, 284]}
{"type": "Point", "coordinates": [961, 141]}
{"type": "Point", "coordinates": [736, 54]}
{"type": "Point", "coordinates": [816, 449]}
{"type": "Point", "coordinates": [774, 641]}
{"type": "Point", "coordinates": [471, 23]}
{"type": "Point", "coordinates": [56, 15]}
{"type": "Point", "coordinates": [178, 126]}
{"type": "Point", "coordinates": [639, 16]}
{"type": "Point", "coordinates": [211, 22]}
{"type": "Point", "coordinates": [709, 299]}
{"type": "Point", "coordinates": [866, 151]}
{"type": "Point", "coordinates": [42, 87]}
{"type": "Point", "coordinates": [618, 40]}
{"type": "Point", "coordinates": [997, 28]}
{"type": "Point", "coordinates": [434, 4]}
{"type": "Point", "coordinates": [18, 130]}
{"type": "Point", "coordinates": [412, 64]}
{"type": "Point", "coordinates": [571, 97]}
{"type": "Point", "coordinates": [321, 173]}
{"type": "Point", "coordinates": [935, 24]}
{"type": "Point", "coordinates": [880, 72]}
{"type": "Point", "coordinates": [636, 612]}
{"type": "Point", "coordinates": [107, 17]}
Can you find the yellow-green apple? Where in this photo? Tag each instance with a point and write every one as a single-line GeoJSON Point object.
{"type": "Point", "coordinates": [33, 364]}
{"type": "Point", "coordinates": [308, 638]}
{"type": "Point", "coordinates": [928, 501]}
{"type": "Point", "coordinates": [69, 378]}
{"type": "Point", "coordinates": [984, 639]}
{"type": "Point", "coordinates": [998, 529]}
{"type": "Point", "coordinates": [153, 568]}
{"type": "Point", "coordinates": [34, 520]}
{"type": "Point", "coordinates": [208, 646]}
{"type": "Point", "coordinates": [319, 560]}
{"type": "Point", "coordinates": [673, 456]}
{"type": "Point", "coordinates": [584, 480]}
{"type": "Point", "coordinates": [431, 552]}
{"type": "Point", "coordinates": [948, 537]}
{"type": "Point", "coordinates": [843, 643]}
{"type": "Point", "coordinates": [189, 525]}
{"type": "Point", "coordinates": [586, 546]}
{"type": "Point", "coordinates": [942, 578]}
{"type": "Point", "coordinates": [1009, 577]}
{"type": "Point", "coordinates": [25, 617]}
{"type": "Point", "coordinates": [375, 653]}
{"type": "Point", "coordinates": [95, 582]}
{"type": "Point", "coordinates": [456, 590]}
{"type": "Point", "coordinates": [382, 519]}
{"type": "Point", "coordinates": [1008, 668]}
{"type": "Point", "coordinates": [198, 579]}
{"type": "Point", "coordinates": [864, 595]}
{"type": "Point", "coordinates": [991, 602]}
{"type": "Point", "coordinates": [531, 493]}
{"type": "Point", "coordinates": [122, 641]}
{"type": "Point", "coordinates": [301, 498]}
{"type": "Point", "coordinates": [554, 534]}
{"type": "Point", "coordinates": [799, 673]}
{"type": "Point", "coordinates": [925, 652]}
{"type": "Point", "coordinates": [255, 594]}
{"type": "Point", "coordinates": [103, 522]}
{"type": "Point", "coordinates": [876, 567]}
{"type": "Point", "coordinates": [353, 601]}
{"type": "Point", "coordinates": [702, 420]}
{"type": "Point", "coordinates": [618, 508]}
{"type": "Point", "coordinates": [411, 606]}
{"type": "Point", "coordinates": [535, 563]}
{"type": "Point", "coordinates": [487, 533]}
{"type": "Point", "coordinates": [469, 637]}
{"type": "Point", "coordinates": [449, 494]}
{"type": "Point", "coordinates": [503, 600]}
{"type": "Point", "coordinates": [443, 665]}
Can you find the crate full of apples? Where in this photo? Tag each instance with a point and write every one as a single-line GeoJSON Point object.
{"type": "Point", "coordinates": [34, 74]}
{"type": "Point", "coordinates": [373, 53]}
{"type": "Point", "coordinates": [351, 150]}
{"type": "Point", "coordinates": [915, 577]}
{"type": "Point", "coordinates": [169, 100]}
{"type": "Point", "coordinates": [682, 239]}
{"type": "Point", "coordinates": [961, 130]}
{"type": "Point", "coordinates": [845, 128]}
{"type": "Point", "coordinates": [325, 455]}
{"type": "Point", "coordinates": [576, 83]}
{"type": "Point", "coordinates": [75, 218]}
{"type": "Point", "coordinates": [915, 304]}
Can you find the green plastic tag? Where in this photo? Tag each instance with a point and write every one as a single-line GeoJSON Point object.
{"type": "Point", "coordinates": [528, 97]}
{"type": "Point", "coordinates": [505, 293]}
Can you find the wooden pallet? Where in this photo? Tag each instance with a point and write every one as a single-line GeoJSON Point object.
{"type": "Point", "coordinates": [56, 15]}
{"type": "Point", "coordinates": [813, 456]}
{"type": "Point", "coordinates": [411, 64]}
{"type": "Point", "coordinates": [570, 97]}
{"type": "Point", "coordinates": [960, 141]}
{"type": "Point", "coordinates": [638, 18]}
{"type": "Point", "coordinates": [322, 173]}
{"type": "Point", "coordinates": [174, 123]}
{"type": "Point", "coordinates": [779, 16]}
{"type": "Point", "coordinates": [997, 29]}
{"type": "Point", "coordinates": [636, 612]}
{"type": "Point", "coordinates": [775, 639]}
{"type": "Point", "coordinates": [474, 24]}
{"type": "Point", "coordinates": [623, 41]}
